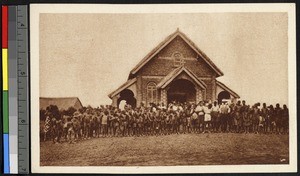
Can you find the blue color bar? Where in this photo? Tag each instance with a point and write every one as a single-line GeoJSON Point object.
{"type": "Point", "coordinates": [6, 153]}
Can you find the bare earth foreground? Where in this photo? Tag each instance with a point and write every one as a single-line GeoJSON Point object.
{"type": "Point", "coordinates": [170, 150]}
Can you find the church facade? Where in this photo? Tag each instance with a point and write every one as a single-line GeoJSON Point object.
{"type": "Point", "coordinates": [175, 70]}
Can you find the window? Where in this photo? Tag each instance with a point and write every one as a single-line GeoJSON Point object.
{"type": "Point", "coordinates": [151, 93]}
{"type": "Point", "coordinates": [178, 59]}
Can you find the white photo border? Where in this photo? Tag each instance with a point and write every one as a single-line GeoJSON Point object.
{"type": "Point", "coordinates": [37, 9]}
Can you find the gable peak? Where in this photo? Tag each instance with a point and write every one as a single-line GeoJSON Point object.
{"type": "Point", "coordinates": [167, 41]}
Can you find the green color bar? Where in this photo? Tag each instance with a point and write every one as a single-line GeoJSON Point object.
{"type": "Point", "coordinates": [5, 112]}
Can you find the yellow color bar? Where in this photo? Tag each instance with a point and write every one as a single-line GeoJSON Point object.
{"type": "Point", "coordinates": [5, 69]}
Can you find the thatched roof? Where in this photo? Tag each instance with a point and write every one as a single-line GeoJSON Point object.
{"type": "Point", "coordinates": [61, 103]}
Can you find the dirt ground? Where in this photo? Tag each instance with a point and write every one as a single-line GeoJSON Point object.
{"type": "Point", "coordinates": [170, 150]}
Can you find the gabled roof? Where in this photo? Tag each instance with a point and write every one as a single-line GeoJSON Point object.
{"type": "Point", "coordinates": [223, 86]}
{"type": "Point", "coordinates": [164, 43]}
{"type": "Point", "coordinates": [173, 74]}
{"type": "Point", "coordinates": [122, 87]}
{"type": "Point", "coordinates": [61, 102]}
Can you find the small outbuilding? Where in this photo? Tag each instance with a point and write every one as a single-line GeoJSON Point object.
{"type": "Point", "coordinates": [63, 103]}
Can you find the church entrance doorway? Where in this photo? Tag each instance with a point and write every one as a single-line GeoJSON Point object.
{"type": "Point", "coordinates": [128, 96]}
{"type": "Point", "coordinates": [224, 95]}
{"type": "Point", "coordinates": [181, 90]}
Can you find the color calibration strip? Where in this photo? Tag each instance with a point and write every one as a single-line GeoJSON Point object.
{"type": "Point", "coordinates": [5, 89]}
{"type": "Point", "coordinates": [12, 89]}
{"type": "Point", "coordinates": [15, 89]}
{"type": "Point", "coordinates": [22, 88]}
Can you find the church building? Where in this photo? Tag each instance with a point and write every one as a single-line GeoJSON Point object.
{"type": "Point", "coordinates": [175, 70]}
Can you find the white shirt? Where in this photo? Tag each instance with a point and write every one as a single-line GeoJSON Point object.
{"type": "Point", "coordinates": [215, 108]}
{"type": "Point", "coordinates": [207, 111]}
{"type": "Point", "coordinates": [122, 105]}
{"type": "Point", "coordinates": [198, 108]}
{"type": "Point", "coordinates": [175, 108]}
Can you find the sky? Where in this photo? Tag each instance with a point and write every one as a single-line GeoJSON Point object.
{"type": "Point", "coordinates": [90, 55]}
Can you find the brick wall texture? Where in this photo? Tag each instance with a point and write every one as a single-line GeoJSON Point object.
{"type": "Point", "coordinates": [162, 64]}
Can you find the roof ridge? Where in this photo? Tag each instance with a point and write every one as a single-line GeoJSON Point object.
{"type": "Point", "coordinates": [58, 97]}
{"type": "Point", "coordinates": [201, 52]}
{"type": "Point", "coordinates": [154, 49]}
{"type": "Point", "coordinates": [166, 41]}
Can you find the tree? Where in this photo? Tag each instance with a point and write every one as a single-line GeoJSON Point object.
{"type": "Point", "coordinates": [42, 114]}
{"type": "Point", "coordinates": [82, 110]}
{"type": "Point", "coordinates": [54, 112]}
{"type": "Point", "coordinates": [70, 111]}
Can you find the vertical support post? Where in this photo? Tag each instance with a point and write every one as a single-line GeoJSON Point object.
{"type": "Point", "coordinates": [213, 83]}
{"type": "Point", "coordinates": [139, 91]}
{"type": "Point", "coordinates": [164, 96]}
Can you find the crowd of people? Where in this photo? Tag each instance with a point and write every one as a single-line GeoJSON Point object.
{"type": "Point", "coordinates": [160, 119]}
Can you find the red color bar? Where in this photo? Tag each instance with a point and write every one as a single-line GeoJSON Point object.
{"type": "Point", "coordinates": [4, 27]}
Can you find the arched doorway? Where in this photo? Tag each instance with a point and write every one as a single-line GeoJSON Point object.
{"type": "Point", "coordinates": [128, 96]}
{"type": "Point", "coordinates": [223, 95]}
{"type": "Point", "coordinates": [181, 90]}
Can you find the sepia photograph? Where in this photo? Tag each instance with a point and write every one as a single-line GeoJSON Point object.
{"type": "Point", "coordinates": [163, 88]}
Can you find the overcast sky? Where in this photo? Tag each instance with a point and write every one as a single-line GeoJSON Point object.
{"type": "Point", "coordinates": [90, 55]}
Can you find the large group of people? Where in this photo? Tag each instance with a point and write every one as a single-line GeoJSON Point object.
{"type": "Point", "coordinates": [160, 119]}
